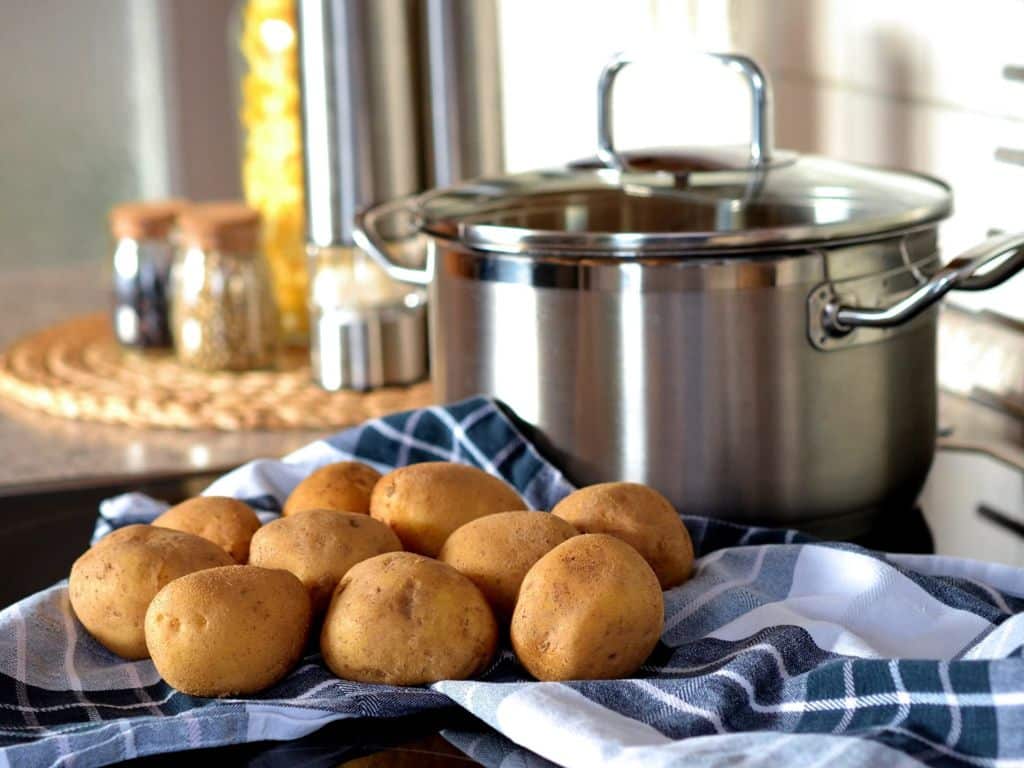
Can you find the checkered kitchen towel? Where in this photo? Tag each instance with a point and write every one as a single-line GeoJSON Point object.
{"type": "Point", "coordinates": [780, 651]}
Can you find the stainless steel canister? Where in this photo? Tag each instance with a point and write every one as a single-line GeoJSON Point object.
{"type": "Point", "coordinates": [397, 96]}
{"type": "Point", "coordinates": [362, 142]}
{"type": "Point", "coordinates": [752, 333]}
{"type": "Point", "coordinates": [462, 99]}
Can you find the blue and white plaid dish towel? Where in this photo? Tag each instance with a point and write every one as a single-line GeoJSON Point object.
{"type": "Point", "coordinates": [781, 650]}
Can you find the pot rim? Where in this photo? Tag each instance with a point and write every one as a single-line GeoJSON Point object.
{"type": "Point", "coordinates": [629, 251]}
{"type": "Point", "coordinates": [474, 212]}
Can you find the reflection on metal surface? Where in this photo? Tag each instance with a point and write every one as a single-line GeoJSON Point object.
{"type": "Point", "coordinates": [633, 331]}
{"type": "Point", "coordinates": [517, 362]}
{"type": "Point", "coordinates": [360, 127]}
{"type": "Point", "coordinates": [463, 92]}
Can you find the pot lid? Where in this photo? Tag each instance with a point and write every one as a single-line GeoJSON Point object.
{"type": "Point", "coordinates": [685, 200]}
{"type": "Point", "coordinates": [804, 199]}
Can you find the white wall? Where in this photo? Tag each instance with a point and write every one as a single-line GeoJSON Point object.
{"type": "Point", "coordinates": [553, 52]}
{"type": "Point", "coordinates": [908, 83]}
{"type": "Point", "coordinates": [103, 101]}
{"type": "Point", "coordinates": [112, 99]}
{"type": "Point", "coordinates": [913, 84]}
{"type": "Point", "coordinates": [68, 130]}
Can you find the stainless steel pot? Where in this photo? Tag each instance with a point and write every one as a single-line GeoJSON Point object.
{"type": "Point", "coordinates": [753, 335]}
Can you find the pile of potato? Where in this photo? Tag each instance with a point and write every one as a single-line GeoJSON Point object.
{"type": "Point", "coordinates": [412, 577]}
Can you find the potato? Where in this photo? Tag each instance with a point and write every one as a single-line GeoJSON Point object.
{"type": "Point", "coordinates": [227, 522]}
{"type": "Point", "coordinates": [496, 551]}
{"type": "Point", "coordinates": [424, 503]}
{"type": "Point", "coordinates": [641, 517]}
{"type": "Point", "coordinates": [319, 546]}
{"type": "Point", "coordinates": [228, 631]}
{"type": "Point", "coordinates": [590, 609]}
{"type": "Point", "coordinates": [344, 486]}
{"type": "Point", "coordinates": [404, 619]}
{"type": "Point", "coordinates": [112, 584]}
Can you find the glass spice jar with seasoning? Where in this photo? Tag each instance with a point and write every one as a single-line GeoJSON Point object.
{"type": "Point", "coordinates": [223, 313]}
{"type": "Point", "coordinates": [143, 235]}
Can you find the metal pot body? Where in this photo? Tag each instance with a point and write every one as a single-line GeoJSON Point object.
{"type": "Point", "coordinates": [707, 379]}
{"type": "Point", "coordinates": [753, 336]}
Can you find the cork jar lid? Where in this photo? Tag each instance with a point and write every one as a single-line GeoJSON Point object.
{"type": "Point", "coordinates": [145, 220]}
{"type": "Point", "coordinates": [222, 226]}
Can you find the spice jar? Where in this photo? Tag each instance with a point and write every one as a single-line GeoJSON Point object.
{"type": "Point", "coordinates": [366, 330]}
{"type": "Point", "coordinates": [223, 316]}
{"type": "Point", "coordinates": [142, 256]}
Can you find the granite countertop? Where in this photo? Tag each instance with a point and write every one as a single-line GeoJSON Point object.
{"type": "Point", "coordinates": [39, 451]}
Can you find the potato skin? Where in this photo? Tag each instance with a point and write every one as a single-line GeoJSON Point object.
{"type": "Point", "coordinates": [404, 619]}
{"type": "Point", "coordinates": [425, 503]}
{"type": "Point", "coordinates": [225, 521]}
{"type": "Point", "coordinates": [344, 486]}
{"type": "Point", "coordinates": [319, 546]}
{"type": "Point", "coordinates": [642, 518]}
{"type": "Point", "coordinates": [112, 584]}
{"type": "Point", "coordinates": [495, 552]}
{"type": "Point", "coordinates": [590, 609]}
{"type": "Point", "coordinates": [228, 631]}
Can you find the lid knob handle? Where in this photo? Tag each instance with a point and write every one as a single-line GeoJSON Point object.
{"type": "Point", "coordinates": [760, 108]}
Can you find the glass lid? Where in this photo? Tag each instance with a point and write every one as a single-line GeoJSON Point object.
{"type": "Point", "coordinates": [681, 201]}
{"type": "Point", "coordinates": [794, 200]}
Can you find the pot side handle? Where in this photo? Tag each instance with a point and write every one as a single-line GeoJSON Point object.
{"type": "Point", "coordinates": [368, 237]}
{"type": "Point", "coordinates": [984, 266]}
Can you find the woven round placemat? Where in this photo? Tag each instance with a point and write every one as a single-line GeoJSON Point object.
{"type": "Point", "coordinates": [78, 370]}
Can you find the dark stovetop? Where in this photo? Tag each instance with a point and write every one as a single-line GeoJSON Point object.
{"type": "Point", "coordinates": [395, 743]}
{"type": "Point", "coordinates": [910, 535]}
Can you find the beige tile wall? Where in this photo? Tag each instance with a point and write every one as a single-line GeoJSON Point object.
{"type": "Point", "coordinates": [909, 83]}
{"type": "Point", "coordinates": [914, 84]}
{"type": "Point", "coordinates": [103, 101]}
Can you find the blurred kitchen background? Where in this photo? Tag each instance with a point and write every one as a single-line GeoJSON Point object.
{"type": "Point", "coordinates": [111, 100]}
{"type": "Point", "coordinates": [104, 101]}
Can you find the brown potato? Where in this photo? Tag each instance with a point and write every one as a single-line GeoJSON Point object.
{"type": "Point", "coordinates": [228, 631]}
{"type": "Point", "coordinates": [496, 551]}
{"type": "Point", "coordinates": [319, 546]}
{"type": "Point", "coordinates": [590, 609]}
{"type": "Point", "coordinates": [404, 619]}
{"type": "Point", "coordinates": [227, 522]}
{"type": "Point", "coordinates": [424, 503]}
{"type": "Point", "coordinates": [344, 487]}
{"type": "Point", "coordinates": [641, 517]}
{"type": "Point", "coordinates": [112, 584]}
